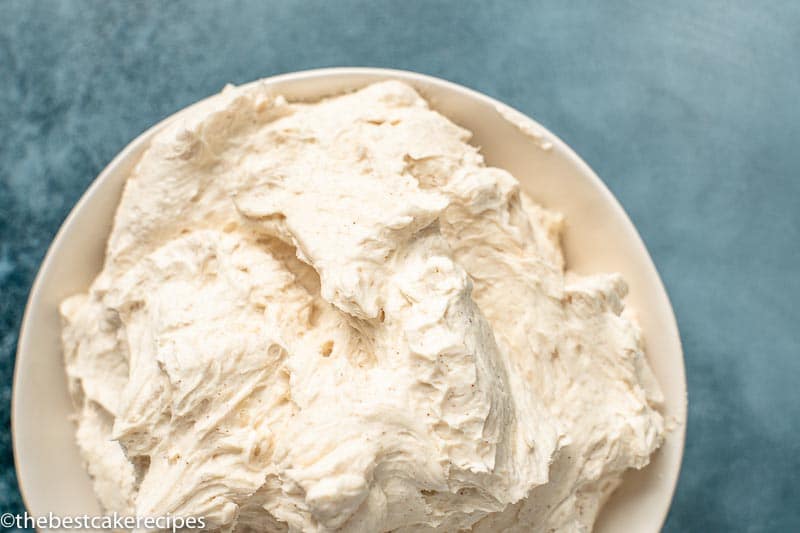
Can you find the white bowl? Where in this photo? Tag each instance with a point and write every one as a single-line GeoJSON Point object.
{"type": "Point", "coordinates": [599, 237]}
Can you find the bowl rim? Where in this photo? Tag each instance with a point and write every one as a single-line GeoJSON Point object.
{"type": "Point", "coordinates": [336, 72]}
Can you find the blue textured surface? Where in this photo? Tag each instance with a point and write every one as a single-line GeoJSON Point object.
{"type": "Point", "coordinates": [690, 112]}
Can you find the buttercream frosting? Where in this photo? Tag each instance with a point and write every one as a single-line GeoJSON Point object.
{"type": "Point", "coordinates": [333, 316]}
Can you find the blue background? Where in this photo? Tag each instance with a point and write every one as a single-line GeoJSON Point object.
{"type": "Point", "coordinates": [690, 112]}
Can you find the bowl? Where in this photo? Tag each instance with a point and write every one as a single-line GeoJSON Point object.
{"type": "Point", "coordinates": [598, 237]}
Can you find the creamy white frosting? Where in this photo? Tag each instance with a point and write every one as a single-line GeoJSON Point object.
{"type": "Point", "coordinates": [334, 317]}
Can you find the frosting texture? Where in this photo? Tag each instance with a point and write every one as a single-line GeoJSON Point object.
{"type": "Point", "coordinates": [333, 316]}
